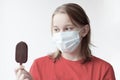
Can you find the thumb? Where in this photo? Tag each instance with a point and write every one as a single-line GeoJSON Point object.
{"type": "Point", "coordinates": [21, 67]}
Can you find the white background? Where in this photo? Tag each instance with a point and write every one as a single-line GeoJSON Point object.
{"type": "Point", "coordinates": [29, 21]}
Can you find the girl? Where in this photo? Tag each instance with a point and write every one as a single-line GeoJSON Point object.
{"type": "Point", "coordinates": [73, 59]}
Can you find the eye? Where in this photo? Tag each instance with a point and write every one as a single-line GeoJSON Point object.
{"type": "Point", "coordinates": [55, 29]}
{"type": "Point", "coordinates": [68, 28]}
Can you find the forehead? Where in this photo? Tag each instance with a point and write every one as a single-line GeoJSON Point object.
{"type": "Point", "coordinates": [61, 19]}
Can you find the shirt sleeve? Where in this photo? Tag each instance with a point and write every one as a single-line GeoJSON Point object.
{"type": "Point", "coordinates": [35, 72]}
{"type": "Point", "coordinates": [109, 75]}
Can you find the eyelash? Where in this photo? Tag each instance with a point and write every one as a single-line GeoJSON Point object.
{"type": "Point", "coordinates": [56, 30]}
{"type": "Point", "coordinates": [66, 29]}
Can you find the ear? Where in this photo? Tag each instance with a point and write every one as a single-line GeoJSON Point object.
{"type": "Point", "coordinates": [85, 30]}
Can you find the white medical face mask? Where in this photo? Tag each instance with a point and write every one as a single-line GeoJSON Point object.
{"type": "Point", "coordinates": [67, 41]}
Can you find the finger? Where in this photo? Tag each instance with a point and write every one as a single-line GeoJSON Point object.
{"type": "Point", "coordinates": [19, 68]}
{"type": "Point", "coordinates": [21, 77]}
{"type": "Point", "coordinates": [26, 79]}
{"type": "Point", "coordinates": [27, 75]}
{"type": "Point", "coordinates": [23, 74]}
{"type": "Point", "coordinates": [18, 74]}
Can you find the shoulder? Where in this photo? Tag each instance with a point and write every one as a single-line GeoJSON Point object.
{"type": "Point", "coordinates": [40, 65]}
{"type": "Point", "coordinates": [41, 58]}
{"type": "Point", "coordinates": [44, 60]}
{"type": "Point", "coordinates": [100, 62]}
{"type": "Point", "coordinates": [103, 67]}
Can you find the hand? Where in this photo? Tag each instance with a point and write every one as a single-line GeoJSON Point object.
{"type": "Point", "coordinates": [22, 74]}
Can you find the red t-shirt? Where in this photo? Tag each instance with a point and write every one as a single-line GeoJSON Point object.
{"type": "Point", "coordinates": [45, 69]}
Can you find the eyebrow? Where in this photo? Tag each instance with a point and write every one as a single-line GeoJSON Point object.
{"type": "Point", "coordinates": [69, 24]}
{"type": "Point", "coordinates": [55, 26]}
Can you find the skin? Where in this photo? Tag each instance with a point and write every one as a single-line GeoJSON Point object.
{"type": "Point", "coordinates": [61, 23]}
{"type": "Point", "coordinates": [22, 74]}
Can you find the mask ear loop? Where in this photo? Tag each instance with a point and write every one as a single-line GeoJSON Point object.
{"type": "Point", "coordinates": [81, 37]}
{"type": "Point", "coordinates": [80, 30]}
